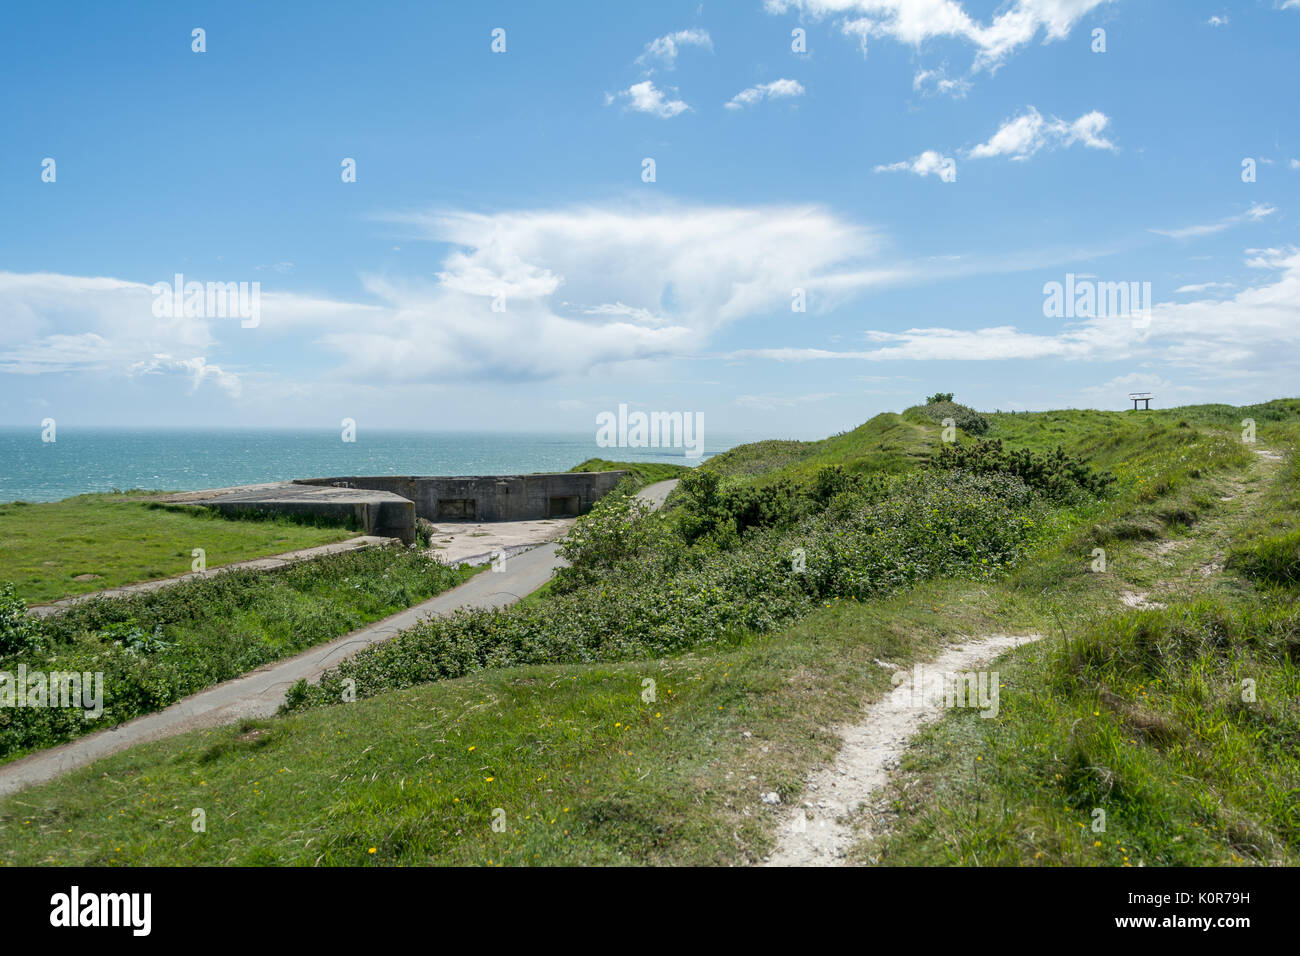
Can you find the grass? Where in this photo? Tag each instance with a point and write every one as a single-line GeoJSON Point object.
{"type": "Point", "coordinates": [1168, 736]}
{"type": "Point", "coordinates": [45, 547]}
{"type": "Point", "coordinates": [1140, 713]}
{"type": "Point", "coordinates": [157, 647]}
{"type": "Point", "coordinates": [887, 444]}
{"type": "Point", "coordinates": [642, 472]}
{"type": "Point", "coordinates": [584, 768]}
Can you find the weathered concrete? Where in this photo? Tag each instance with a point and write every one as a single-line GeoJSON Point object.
{"type": "Point", "coordinates": [477, 543]}
{"type": "Point", "coordinates": [488, 497]}
{"type": "Point", "coordinates": [378, 512]}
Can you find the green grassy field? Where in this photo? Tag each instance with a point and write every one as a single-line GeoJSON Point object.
{"type": "Point", "coordinates": [1136, 712]}
{"type": "Point", "coordinates": [113, 540]}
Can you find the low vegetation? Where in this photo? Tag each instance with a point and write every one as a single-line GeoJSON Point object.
{"type": "Point", "coordinates": [92, 542]}
{"type": "Point", "coordinates": [157, 647]}
{"type": "Point", "coordinates": [689, 661]}
{"type": "Point", "coordinates": [640, 473]}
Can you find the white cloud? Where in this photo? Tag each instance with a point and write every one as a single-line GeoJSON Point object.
{"type": "Point", "coordinates": [914, 22]}
{"type": "Point", "coordinates": [769, 402]}
{"type": "Point", "coordinates": [927, 163]}
{"type": "Point", "coordinates": [56, 323]}
{"type": "Point", "coordinates": [1024, 135]}
{"type": "Point", "coordinates": [644, 97]}
{"type": "Point", "coordinates": [197, 368]}
{"type": "Point", "coordinates": [1256, 331]}
{"type": "Point", "coordinates": [1133, 382]}
{"type": "Point", "coordinates": [777, 89]}
{"type": "Point", "coordinates": [637, 283]}
{"type": "Point", "coordinates": [664, 50]}
{"type": "Point", "coordinates": [937, 82]}
{"type": "Point", "coordinates": [1205, 286]}
{"type": "Point", "coordinates": [1218, 21]}
{"type": "Point", "coordinates": [1294, 164]}
{"type": "Point", "coordinates": [1255, 213]}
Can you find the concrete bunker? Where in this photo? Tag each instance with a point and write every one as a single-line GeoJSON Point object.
{"type": "Point", "coordinates": [488, 497]}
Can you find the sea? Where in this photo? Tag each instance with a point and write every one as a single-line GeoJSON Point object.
{"type": "Point", "coordinates": [83, 460]}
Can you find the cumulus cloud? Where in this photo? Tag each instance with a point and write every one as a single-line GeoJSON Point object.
{"type": "Point", "coordinates": [1022, 136]}
{"type": "Point", "coordinates": [777, 89]}
{"type": "Point", "coordinates": [579, 288]}
{"type": "Point", "coordinates": [913, 22]}
{"type": "Point", "coordinates": [927, 163]}
{"type": "Point", "coordinates": [645, 97]}
{"type": "Point", "coordinates": [937, 82]}
{"type": "Point", "coordinates": [196, 368]}
{"type": "Point", "coordinates": [664, 50]}
{"type": "Point", "coordinates": [522, 295]}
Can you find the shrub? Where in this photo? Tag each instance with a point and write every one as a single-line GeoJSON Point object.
{"type": "Point", "coordinates": [941, 406]}
{"type": "Point", "coordinates": [18, 631]}
{"type": "Point", "coordinates": [1056, 474]}
{"type": "Point", "coordinates": [650, 593]}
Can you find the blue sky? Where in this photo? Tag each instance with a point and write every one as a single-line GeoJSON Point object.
{"type": "Point", "coordinates": [515, 178]}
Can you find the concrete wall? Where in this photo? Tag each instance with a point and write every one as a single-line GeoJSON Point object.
{"type": "Point", "coordinates": [386, 516]}
{"type": "Point", "coordinates": [489, 497]}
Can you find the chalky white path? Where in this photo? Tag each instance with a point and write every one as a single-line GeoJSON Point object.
{"type": "Point", "coordinates": [819, 830]}
{"type": "Point", "coordinates": [259, 693]}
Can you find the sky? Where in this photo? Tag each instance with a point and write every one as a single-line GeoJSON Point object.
{"type": "Point", "coordinates": [449, 214]}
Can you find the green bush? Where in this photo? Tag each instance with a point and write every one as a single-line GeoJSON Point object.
{"type": "Point", "coordinates": [651, 593]}
{"type": "Point", "coordinates": [1056, 474]}
{"type": "Point", "coordinates": [938, 408]}
{"type": "Point", "coordinates": [18, 631]}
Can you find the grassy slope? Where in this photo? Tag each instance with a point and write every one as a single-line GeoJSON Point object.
{"type": "Point", "coordinates": [675, 780]}
{"type": "Point", "coordinates": [1139, 714]}
{"type": "Point", "coordinates": [643, 472]}
{"type": "Point", "coordinates": [44, 546]}
{"type": "Point", "coordinates": [888, 443]}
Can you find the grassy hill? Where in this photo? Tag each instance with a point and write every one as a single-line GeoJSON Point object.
{"type": "Point", "coordinates": [638, 711]}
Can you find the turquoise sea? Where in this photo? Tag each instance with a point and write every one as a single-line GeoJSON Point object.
{"type": "Point", "coordinates": [103, 459]}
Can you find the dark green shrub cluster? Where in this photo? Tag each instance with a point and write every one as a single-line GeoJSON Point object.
{"type": "Point", "coordinates": [722, 513]}
{"type": "Point", "coordinates": [1056, 474]}
{"type": "Point", "coordinates": [18, 632]}
{"type": "Point", "coordinates": [647, 592]}
{"type": "Point", "coordinates": [939, 407]}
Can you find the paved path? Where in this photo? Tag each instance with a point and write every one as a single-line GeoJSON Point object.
{"type": "Point", "coordinates": [260, 692]}
{"type": "Point", "coordinates": [256, 564]}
